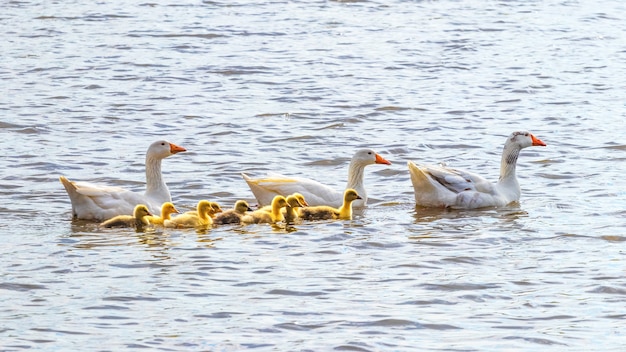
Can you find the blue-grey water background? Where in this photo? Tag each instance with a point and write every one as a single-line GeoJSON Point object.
{"type": "Point", "coordinates": [296, 87]}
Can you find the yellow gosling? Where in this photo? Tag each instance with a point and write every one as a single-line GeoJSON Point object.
{"type": "Point", "coordinates": [198, 218]}
{"type": "Point", "coordinates": [138, 220]}
{"type": "Point", "coordinates": [324, 212]}
{"type": "Point", "coordinates": [233, 216]}
{"type": "Point", "coordinates": [293, 203]}
{"type": "Point", "coordinates": [262, 216]}
{"type": "Point", "coordinates": [167, 209]}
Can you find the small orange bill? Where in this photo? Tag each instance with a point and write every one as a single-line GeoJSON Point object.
{"type": "Point", "coordinates": [176, 149]}
{"type": "Point", "coordinates": [537, 141]}
{"type": "Point", "coordinates": [381, 160]}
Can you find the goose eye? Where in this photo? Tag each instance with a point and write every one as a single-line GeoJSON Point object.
{"type": "Point", "coordinates": [162, 143]}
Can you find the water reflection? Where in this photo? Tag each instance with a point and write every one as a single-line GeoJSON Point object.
{"type": "Point", "coordinates": [509, 213]}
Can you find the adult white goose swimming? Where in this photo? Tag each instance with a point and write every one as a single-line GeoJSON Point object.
{"type": "Point", "coordinates": [316, 193]}
{"type": "Point", "coordinates": [97, 202]}
{"type": "Point", "coordinates": [438, 186]}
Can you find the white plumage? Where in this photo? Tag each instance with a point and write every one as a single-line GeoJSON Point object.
{"type": "Point", "coordinates": [439, 186]}
{"type": "Point", "coordinates": [97, 202]}
{"type": "Point", "coordinates": [316, 193]}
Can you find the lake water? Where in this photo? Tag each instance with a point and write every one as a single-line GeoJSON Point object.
{"type": "Point", "coordinates": [296, 87]}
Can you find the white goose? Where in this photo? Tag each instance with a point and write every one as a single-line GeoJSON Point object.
{"type": "Point", "coordinates": [316, 193]}
{"type": "Point", "coordinates": [97, 202]}
{"type": "Point", "coordinates": [438, 186]}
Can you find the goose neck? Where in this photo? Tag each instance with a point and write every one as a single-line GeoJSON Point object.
{"type": "Point", "coordinates": [355, 176]}
{"type": "Point", "coordinates": [154, 178]}
{"type": "Point", "coordinates": [509, 162]}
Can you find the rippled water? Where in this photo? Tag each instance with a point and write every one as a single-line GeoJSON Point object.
{"type": "Point", "coordinates": [296, 87]}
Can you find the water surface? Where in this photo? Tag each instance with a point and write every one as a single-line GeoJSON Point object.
{"type": "Point", "coordinates": [296, 87]}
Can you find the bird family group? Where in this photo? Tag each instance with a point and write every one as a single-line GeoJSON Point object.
{"type": "Point", "coordinates": [293, 199]}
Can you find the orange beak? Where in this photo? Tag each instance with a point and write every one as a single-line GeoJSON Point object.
{"type": "Point", "coordinates": [176, 149]}
{"type": "Point", "coordinates": [381, 160]}
{"type": "Point", "coordinates": [537, 141]}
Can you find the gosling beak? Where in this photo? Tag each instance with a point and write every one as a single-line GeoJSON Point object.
{"type": "Point", "coordinates": [537, 141]}
{"type": "Point", "coordinates": [176, 149]}
{"type": "Point", "coordinates": [381, 160]}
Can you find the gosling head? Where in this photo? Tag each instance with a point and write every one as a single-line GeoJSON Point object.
{"type": "Point", "coordinates": [168, 208]}
{"type": "Point", "coordinates": [241, 206]}
{"type": "Point", "coordinates": [140, 211]}
{"type": "Point", "coordinates": [350, 195]}
{"type": "Point", "coordinates": [294, 202]}
{"type": "Point", "coordinates": [301, 200]}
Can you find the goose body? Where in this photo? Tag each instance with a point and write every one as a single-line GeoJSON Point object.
{"type": "Point", "coordinates": [316, 193]}
{"type": "Point", "coordinates": [138, 220]}
{"type": "Point", "coordinates": [325, 212]}
{"type": "Point", "coordinates": [198, 218]}
{"type": "Point", "coordinates": [233, 216]}
{"type": "Point", "coordinates": [167, 209]}
{"type": "Point", "coordinates": [97, 202]}
{"type": "Point", "coordinates": [262, 216]}
{"type": "Point", "coordinates": [438, 186]}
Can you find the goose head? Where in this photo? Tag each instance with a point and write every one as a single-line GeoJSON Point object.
{"type": "Point", "coordinates": [163, 149]}
{"type": "Point", "coordinates": [523, 139]}
{"type": "Point", "coordinates": [368, 157]}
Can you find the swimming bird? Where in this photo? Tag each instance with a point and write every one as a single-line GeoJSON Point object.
{"type": "Point", "coordinates": [316, 193]}
{"type": "Point", "coordinates": [215, 208]}
{"type": "Point", "coordinates": [96, 202]}
{"type": "Point", "coordinates": [324, 212]}
{"type": "Point", "coordinates": [439, 186]}
{"type": "Point", "coordinates": [293, 203]}
{"type": "Point", "coordinates": [138, 220]}
{"type": "Point", "coordinates": [198, 218]}
{"type": "Point", "coordinates": [273, 216]}
{"type": "Point", "coordinates": [167, 209]}
{"type": "Point", "coordinates": [233, 216]}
